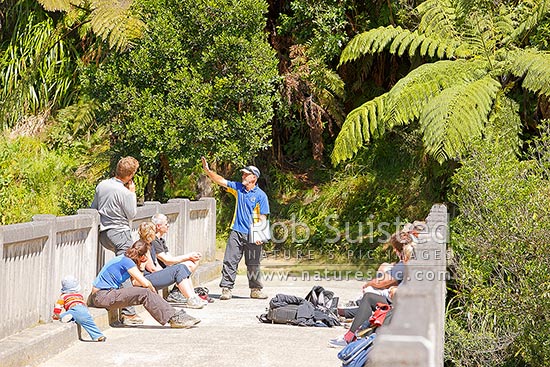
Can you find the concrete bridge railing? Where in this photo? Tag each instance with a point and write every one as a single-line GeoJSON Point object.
{"type": "Point", "coordinates": [35, 256]}
{"type": "Point", "coordinates": [415, 336]}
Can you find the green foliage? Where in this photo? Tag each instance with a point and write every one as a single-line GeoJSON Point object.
{"type": "Point", "coordinates": [456, 116]}
{"type": "Point", "coordinates": [36, 68]}
{"type": "Point", "coordinates": [419, 96]}
{"type": "Point", "coordinates": [40, 50]}
{"type": "Point", "coordinates": [452, 100]}
{"type": "Point", "coordinates": [199, 83]}
{"type": "Point", "coordinates": [36, 180]}
{"type": "Point", "coordinates": [499, 305]}
{"type": "Point", "coordinates": [319, 24]}
{"type": "Point", "coordinates": [113, 21]}
{"type": "Point", "coordinates": [534, 67]}
{"type": "Point", "coordinates": [353, 208]}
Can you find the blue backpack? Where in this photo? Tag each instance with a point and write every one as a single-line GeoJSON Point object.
{"type": "Point", "coordinates": [355, 353]}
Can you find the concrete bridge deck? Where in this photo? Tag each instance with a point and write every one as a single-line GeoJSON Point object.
{"type": "Point", "coordinates": [228, 335]}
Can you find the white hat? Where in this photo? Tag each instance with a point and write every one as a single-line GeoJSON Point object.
{"type": "Point", "coordinates": [251, 169]}
{"type": "Point", "coordinates": [70, 284]}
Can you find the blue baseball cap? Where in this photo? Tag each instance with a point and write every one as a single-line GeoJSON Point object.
{"type": "Point", "coordinates": [251, 169]}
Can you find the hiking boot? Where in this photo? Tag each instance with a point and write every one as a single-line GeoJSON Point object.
{"type": "Point", "coordinates": [101, 339]}
{"type": "Point", "coordinates": [226, 294]}
{"type": "Point", "coordinates": [131, 320]}
{"type": "Point", "coordinates": [194, 302]}
{"type": "Point", "coordinates": [182, 320]}
{"type": "Point", "coordinates": [176, 297]}
{"type": "Point", "coordinates": [257, 293]}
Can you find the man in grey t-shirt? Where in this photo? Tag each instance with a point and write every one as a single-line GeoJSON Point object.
{"type": "Point", "coordinates": [115, 200]}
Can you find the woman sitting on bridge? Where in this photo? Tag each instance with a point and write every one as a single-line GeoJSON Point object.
{"type": "Point", "coordinates": [107, 292]}
{"type": "Point", "coordinates": [403, 246]}
{"type": "Point", "coordinates": [178, 274]}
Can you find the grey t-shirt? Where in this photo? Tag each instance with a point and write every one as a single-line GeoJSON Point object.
{"type": "Point", "coordinates": [115, 203]}
{"type": "Point", "coordinates": [397, 272]}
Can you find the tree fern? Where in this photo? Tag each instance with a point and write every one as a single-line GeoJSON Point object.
{"type": "Point", "coordinates": [437, 18]}
{"type": "Point", "coordinates": [400, 40]}
{"type": "Point", "coordinates": [454, 100]}
{"type": "Point", "coordinates": [361, 124]}
{"type": "Point", "coordinates": [456, 116]}
{"type": "Point", "coordinates": [410, 94]}
{"type": "Point", "coordinates": [534, 67]}
{"type": "Point", "coordinates": [110, 19]}
{"type": "Point", "coordinates": [369, 43]}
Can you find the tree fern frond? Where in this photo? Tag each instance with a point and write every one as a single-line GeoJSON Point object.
{"type": "Point", "coordinates": [80, 115]}
{"type": "Point", "coordinates": [369, 42]}
{"type": "Point", "coordinates": [479, 33]}
{"type": "Point", "coordinates": [504, 24]}
{"type": "Point", "coordinates": [361, 124]}
{"type": "Point", "coordinates": [534, 66]}
{"type": "Point", "coordinates": [456, 116]}
{"type": "Point", "coordinates": [409, 95]}
{"type": "Point", "coordinates": [405, 43]}
{"type": "Point", "coordinates": [437, 18]}
{"type": "Point", "coordinates": [55, 5]}
{"type": "Point", "coordinates": [429, 46]}
{"type": "Point", "coordinates": [415, 43]}
{"type": "Point", "coordinates": [112, 21]}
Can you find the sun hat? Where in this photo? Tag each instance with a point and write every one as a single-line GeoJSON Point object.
{"type": "Point", "coordinates": [251, 169]}
{"type": "Point", "coordinates": [70, 284]}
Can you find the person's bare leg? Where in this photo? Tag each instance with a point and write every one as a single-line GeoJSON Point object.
{"type": "Point", "coordinates": [186, 288]}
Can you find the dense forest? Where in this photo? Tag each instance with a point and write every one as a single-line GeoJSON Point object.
{"type": "Point", "coordinates": [356, 111]}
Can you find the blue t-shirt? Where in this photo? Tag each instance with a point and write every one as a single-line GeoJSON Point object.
{"type": "Point", "coordinates": [249, 206]}
{"type": "Point", "coordinates": [114, 273]}
{"type": "Point", "coordinates": [397, 272]}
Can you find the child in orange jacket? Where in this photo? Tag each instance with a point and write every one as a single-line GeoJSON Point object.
{"type": "Point", "coordinates": [71, 307]}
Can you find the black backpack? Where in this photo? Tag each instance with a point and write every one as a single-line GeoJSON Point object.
{"type": "Point", "coordinates": [322, 298]}
{"type": "Point", "coordinates": [282, 315]}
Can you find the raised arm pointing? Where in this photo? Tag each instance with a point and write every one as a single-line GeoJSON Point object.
{"type": "Point", "coordinates": [213, 175]}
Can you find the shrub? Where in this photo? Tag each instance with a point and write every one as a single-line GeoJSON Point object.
{"type": "Point", "coordinates": [499, 303]}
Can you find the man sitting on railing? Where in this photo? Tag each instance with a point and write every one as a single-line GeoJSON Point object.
{"type": "Point", "coordinates": [115, 200]}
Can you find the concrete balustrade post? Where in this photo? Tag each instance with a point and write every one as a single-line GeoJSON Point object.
{"type": "Point", "coordinates": [210, 239]}
{"type": "Point", "coordinates": [94, 237]}
{"type": "Point", "coordinates": [180, 226]}
{"type": "Point", "coordinates": [46, 283]}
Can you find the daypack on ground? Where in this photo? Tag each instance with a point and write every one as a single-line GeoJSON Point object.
{"type": "Point", "coordinates": [355, 354]}
{"type": "Point", "coordinates": [323, 298]}
{"type": "Point", "coordinates": [287, 309]}
{"type": "Point", "coordinates": [283, 315]}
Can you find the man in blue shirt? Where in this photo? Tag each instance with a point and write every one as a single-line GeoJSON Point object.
{"type": "Point", "coordinates": [251, 207]}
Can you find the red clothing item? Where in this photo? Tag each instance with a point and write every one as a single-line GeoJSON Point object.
{"type": "Point", "coordinates": [68, 300]}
